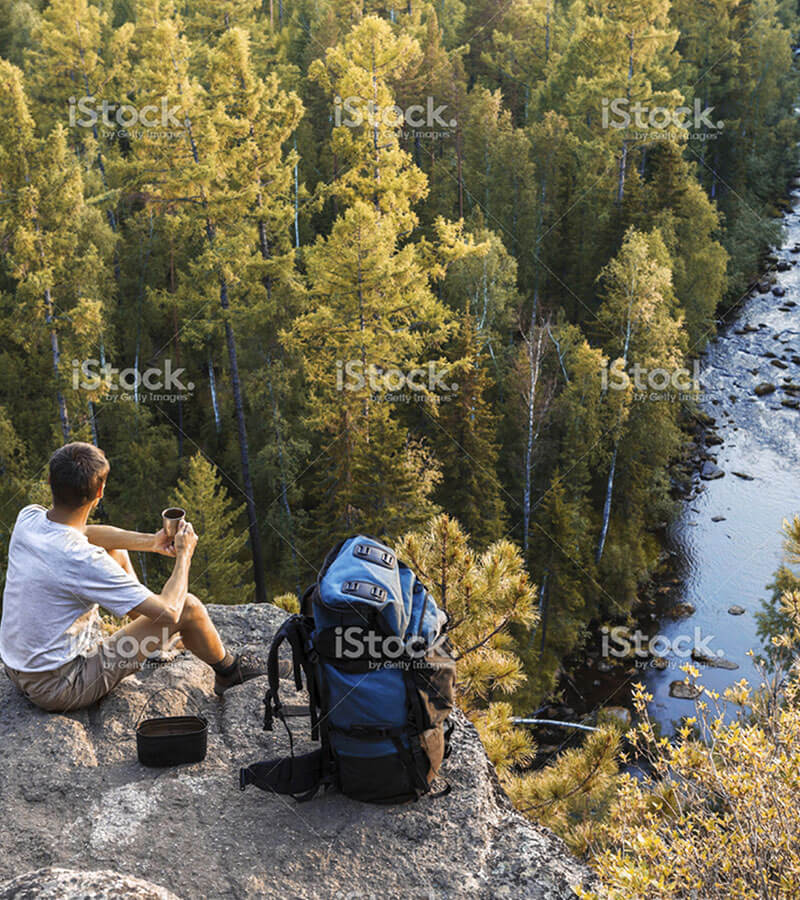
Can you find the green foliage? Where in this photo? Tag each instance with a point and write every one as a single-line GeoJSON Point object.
{"type": "Point", "coordinates": [289, 602]}
{"type": "Point", "coordinates": [218, 575]}
{"type": "Point", "coordinates": [575, 791]}
{"type": "Point", "coordinates": [483, 594]}
{"type": "Point", "coordinates": [260, 243]}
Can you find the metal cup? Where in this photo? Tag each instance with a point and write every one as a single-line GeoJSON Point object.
{"type": "Point", "coordinates": [172, 518]}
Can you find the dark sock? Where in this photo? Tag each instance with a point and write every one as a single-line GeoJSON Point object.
{"type": "Point", "coordinates": [227, 665]}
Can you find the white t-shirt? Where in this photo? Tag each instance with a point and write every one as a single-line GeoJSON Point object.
{"type": "Point", "coordinates": [55, 581]}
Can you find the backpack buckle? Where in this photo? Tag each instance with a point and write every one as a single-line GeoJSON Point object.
{"type": "Point", "coordinates": [371, 553]}
{"type": "Point", "coordinates": [365, 590]}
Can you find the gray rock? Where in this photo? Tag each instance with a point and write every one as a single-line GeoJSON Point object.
{"type": "Point", "coordinates": [736, 610]}
{"type": "Point", "coordinates": [67, 884]}
{"type": "Point", "coordinates": [710, 471]}
{"type": "Point", "coordinates": [682, 690]}
{"type": "Point", "coordinates": [73, 794]}
{"type": "Point", "coordinates": [714, 662]}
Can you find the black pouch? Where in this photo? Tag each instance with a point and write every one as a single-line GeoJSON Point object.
{"type": "Point", "coordinates": [297, 776]}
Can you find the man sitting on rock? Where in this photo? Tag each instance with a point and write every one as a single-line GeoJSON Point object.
{"type": "Point", "coordinates": [60, 570]}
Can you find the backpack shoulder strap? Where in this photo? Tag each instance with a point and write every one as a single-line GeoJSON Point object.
{"type": "Point", "coordinates": [296, 630]}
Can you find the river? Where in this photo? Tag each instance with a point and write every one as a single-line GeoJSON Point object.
{"type": "Point", "coordinates": [729, 562]}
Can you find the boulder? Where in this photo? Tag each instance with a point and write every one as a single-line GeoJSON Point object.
{"type": "Point", "coordinates": [764, 388]}
{"type": "Point", "coordinates": [73, 795]}
{"type": "Point", "coordinates": [736, 610]}
{"type": "Point", "coordinates": [55, 883]}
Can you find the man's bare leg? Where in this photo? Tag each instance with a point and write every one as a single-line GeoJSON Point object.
{"type": "Point", "coordinates": [195, 627]}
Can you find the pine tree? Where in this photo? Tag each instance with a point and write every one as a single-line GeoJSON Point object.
{"type": "Point", "coordinates": [466, 443]}
{"type": "Point", "coordinates": [373, 317]}
{"type": "Point", "coordinates": [643, 326]}
{"type": "Point", "coordinates": [52, 256]}
{"type": "Point", "coordinates": [370, 164]}
{"type": "Point", "coordinates": [483, 595]}
{"type": "Point", "coordinates": [214, 174]}
{"type": "Point", "coordinates": [14, 482]}
{"type": "Point", "coordinates": [218, 575]}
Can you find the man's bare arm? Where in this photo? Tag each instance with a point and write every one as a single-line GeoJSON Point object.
{"type": "Point", "coordinates": [110, 538]}
{"type": "Point", "coordinates": [167, 606]}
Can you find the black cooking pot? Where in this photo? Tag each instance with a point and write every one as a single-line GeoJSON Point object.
{"type": "Point", "coordinates": [171, 740]}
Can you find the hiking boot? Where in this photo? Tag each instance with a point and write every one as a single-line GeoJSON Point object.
{"type": "Point", "coordinates": [242, 671]}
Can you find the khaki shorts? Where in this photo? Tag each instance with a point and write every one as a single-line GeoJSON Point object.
{"type": "Point", "coordinates": [79, 682]}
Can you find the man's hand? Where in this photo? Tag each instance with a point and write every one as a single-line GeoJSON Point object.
{"type": "Point", "coordinates": [185, 540]}
{"type": "Point", "coordinates": [163, 544]}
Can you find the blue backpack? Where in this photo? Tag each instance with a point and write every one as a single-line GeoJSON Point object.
{"type": "Point", "coordinates": [371, 644]}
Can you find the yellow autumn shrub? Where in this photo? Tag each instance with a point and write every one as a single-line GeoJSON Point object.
{"type": "Point", "coordinates": [718, 817]}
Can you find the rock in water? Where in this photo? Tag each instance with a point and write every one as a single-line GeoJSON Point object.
{"type": "Point", "coordinates": [682, 690]}
{"type": "Point", "coordinates": [710, 471]}
{"type": "Point", "coordinates": [764, 388]}
{"type": "Point", "coordinates": [73, 794]}
{"type": "Point", "coordinates": [736, 610]}
{"type": "Point", "coordinates": [67, 884]}
{"type": "Point", "coordinates": [680, 610]}
{"type": "Point", "coordinates": [715, 662]}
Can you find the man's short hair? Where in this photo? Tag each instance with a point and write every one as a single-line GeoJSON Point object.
{"type": "Point", "coordinates": [77, 471]}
